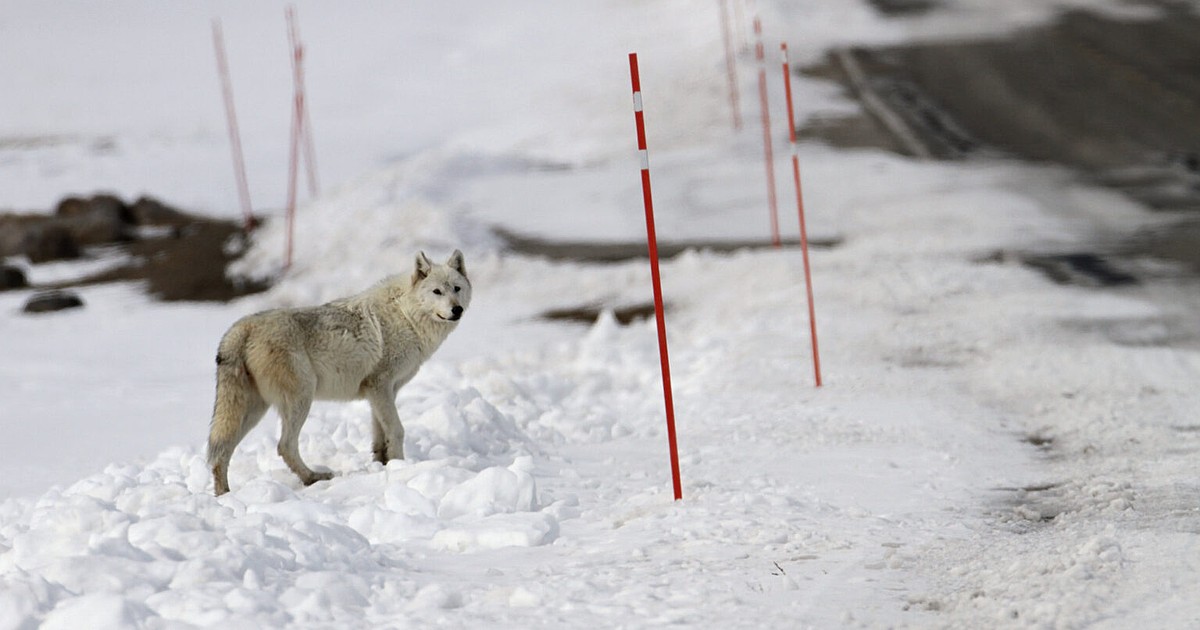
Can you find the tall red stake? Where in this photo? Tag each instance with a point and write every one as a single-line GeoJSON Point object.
{"type": "Point", "coordinates": [235, 137]}
{"type": "Point", "coordinates": [768, 152]}
{"type": "Point", "coordinates": [301, 138]}
{"type": "Point", "coordinates": [652, 243]}
{"type": "Point", "coordinates": [812, 313]}
{"type": "Point", "coordinates": [310, 157]}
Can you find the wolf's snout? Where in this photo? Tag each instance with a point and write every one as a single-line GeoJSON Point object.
{"type": "Point", "coordinates": [456, 313]}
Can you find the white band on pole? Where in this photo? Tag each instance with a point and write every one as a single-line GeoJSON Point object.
{"type": "Point", "coordinates": [644, 155]}
{"type": "Point", "coordinates": [637, 101]}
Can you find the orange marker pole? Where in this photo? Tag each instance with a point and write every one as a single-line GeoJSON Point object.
{"type": "Point", "coordinates": [652, 244]}
{"type": "Point", "coordinates": [235, 137]}
{"type": "Point", "coordinates": [295, 139]}
{"type": "Point", "coordinates": [768, 152]}
{"type": "Point", "coordinates": [812, 314]}
{"type": "Point", "coordinates": [301, 138]}
{"type": "Point", "coordinates": [305, 125]}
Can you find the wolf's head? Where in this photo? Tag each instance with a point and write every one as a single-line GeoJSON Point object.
{"type": "Point", "coordinates": [442, 291]}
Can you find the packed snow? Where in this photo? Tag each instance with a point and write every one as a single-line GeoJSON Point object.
{"type": "Point", "coordinates": [989, 449]}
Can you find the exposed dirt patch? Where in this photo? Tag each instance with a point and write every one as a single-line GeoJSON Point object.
{"type": "Point", "coordinates": [904, 8]}
{"type": "Point", "coordinates": [850, 132]}
{"type": "Point", "coordinates": [1179, 242]}
{"type": "Point", "coordinates": [186, 265]}
{"type": "Point", "coordinates": [1080, 268]}
{"type": "Point", "coordinates": [587, 251]}
{"type": "Point", "coordinates": [588, 314]}
{"type": "Point", "coordinates": [178, 255]}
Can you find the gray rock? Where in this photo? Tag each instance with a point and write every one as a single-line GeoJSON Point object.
{"type": "Point", "coordinates": [50, 301]}
{"type": "Point", "coordinates": [13, 228]}
{"type": "Point", "coordinates": [49, 241]}
{"type": "Point", "coordinates": [12, 278]}
{"type": "Point", "coordinates": [96, 220]}
{"type": "Point", "coordinates": [150, 211]}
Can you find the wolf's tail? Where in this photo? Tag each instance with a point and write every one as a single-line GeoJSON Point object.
{"type": "Point", "coordinates": [235, 388]}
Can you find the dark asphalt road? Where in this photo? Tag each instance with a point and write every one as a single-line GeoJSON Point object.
{"type": "Point", "coordinates": [1117, 101]}
{"type": "Point", "coordinates": [1088, 91]}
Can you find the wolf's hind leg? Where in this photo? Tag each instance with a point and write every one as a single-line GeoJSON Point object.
{"type": "Point", "coordinates": [234, 415]}
{"type": "Point", "coordinates": [294, 412]}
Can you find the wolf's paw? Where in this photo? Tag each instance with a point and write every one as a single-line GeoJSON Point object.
{"type": "Point", "coordinates": [324, 475]}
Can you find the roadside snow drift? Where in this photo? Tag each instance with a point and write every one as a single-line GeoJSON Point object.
{"type": "Point", "coordinates": [990, 449]}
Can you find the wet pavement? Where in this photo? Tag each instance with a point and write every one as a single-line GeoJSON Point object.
{"type": "Point", "coordinates": [1116, 101]}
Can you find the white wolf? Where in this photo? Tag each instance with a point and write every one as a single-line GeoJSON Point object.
{"type": "Point", "coordinates": [362, 347]}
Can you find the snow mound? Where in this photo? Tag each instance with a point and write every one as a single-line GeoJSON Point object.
{"type": "Point", "coordinates": [141, 541]}
{"type": "Point", "coordinates": [134, 542]}
{"type": "Point", "coordinates": [359, 233]}
{"type": "Point", "coordinates": [147, 541]}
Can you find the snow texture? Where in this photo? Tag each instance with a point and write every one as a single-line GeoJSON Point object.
{"type": "Point", "coordinates": [989, 449]}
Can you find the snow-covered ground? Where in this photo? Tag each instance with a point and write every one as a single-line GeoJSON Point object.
{"type": "Point", "coordinates": [989, 449]}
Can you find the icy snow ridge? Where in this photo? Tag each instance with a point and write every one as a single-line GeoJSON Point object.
{"type": "Point", "coordinates": [149, 541]}
{"type": "Point", "coordinates": [137, 542]}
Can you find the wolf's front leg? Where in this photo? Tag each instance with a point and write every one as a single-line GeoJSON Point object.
{"type": "Point", "coordinates": [387, 432]}
{"type": "Point", "coordinates": [294, 412]}
{"type": "Point", "coordinates": [378, 439]}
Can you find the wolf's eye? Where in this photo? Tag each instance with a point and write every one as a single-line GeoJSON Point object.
{"type": "Point", "coordinates": [437, 291]}
{"type": "Point", "coordinates": [457, 289]}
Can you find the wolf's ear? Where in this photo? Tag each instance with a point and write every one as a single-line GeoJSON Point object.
{"type": "Point", "coordinates": [423, 267]}
{"type": "Point", "coordinates": [456, 263]}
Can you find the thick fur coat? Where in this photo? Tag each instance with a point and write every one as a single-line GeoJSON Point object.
{"type": "Point", "coordinates": [365, 346]}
